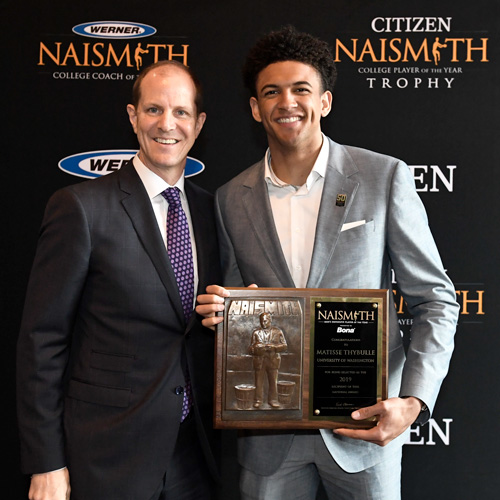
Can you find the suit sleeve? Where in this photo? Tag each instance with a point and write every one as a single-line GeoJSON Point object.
{"type": "Point", "coordinates": [54, 290]}
{"type": "Point", "coordinates": [230, 271]}
{"type": "Point", "coordinates": [426, 288]}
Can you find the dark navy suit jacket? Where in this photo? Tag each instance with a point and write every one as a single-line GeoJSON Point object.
{"type": "Point", "coordinates": [104, 345]}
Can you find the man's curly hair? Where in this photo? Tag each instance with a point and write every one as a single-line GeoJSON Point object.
{"type": "Point", "coordinates": [288, 44]}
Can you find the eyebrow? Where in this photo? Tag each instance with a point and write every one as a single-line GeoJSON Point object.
{"type": "Point", "coordinates": [149, 104]}
{"type": "Point", "coordinates": [294, 84]}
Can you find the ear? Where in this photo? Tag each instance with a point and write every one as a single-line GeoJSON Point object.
{"type": "Point", "coordinates": [254, 105]}
{"type": "Point", "coordinates": [132, 116]}
{"type": "Point", "coordinates": [200, 121]}
{"type": "Point", "coordinates": [326, 103]}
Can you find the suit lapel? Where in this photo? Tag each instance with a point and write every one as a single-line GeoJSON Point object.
{"type": "Point", "coordinates": [260, 215]}
{"type": "Point", "coordinates": [332, 214]}
{"type": "Point", "coordinates": [138, 207]}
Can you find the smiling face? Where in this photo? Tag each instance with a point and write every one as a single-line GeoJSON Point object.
{"type": "Point", "coordinates": [166, 121]}
{"type": "Point", "coordinates": [290, 104]}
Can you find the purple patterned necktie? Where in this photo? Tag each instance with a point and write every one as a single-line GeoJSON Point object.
{"type": "Point", "coordinates": [181, 258]}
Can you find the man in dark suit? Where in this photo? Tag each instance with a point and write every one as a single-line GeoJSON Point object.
{"type": "Point", "coordinates": [313, 213]}
{"type": "Point", "coordinates": [110, 357]}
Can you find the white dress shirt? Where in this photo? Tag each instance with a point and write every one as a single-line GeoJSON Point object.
{"type": "Point", "coordinates": [295, 211]}
{"type": "Point", "coordinates": [155, 185]}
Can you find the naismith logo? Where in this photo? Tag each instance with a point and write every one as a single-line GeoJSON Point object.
{"type": "Point", "coordinates": [116, 44]}
{"type": "Point", "coordinates": [98, 163]}
{"type": "Point", "coordinates": [114, 29]}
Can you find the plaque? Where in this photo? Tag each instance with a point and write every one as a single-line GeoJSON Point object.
{"type": "Point", "coordinates": [292, 358]}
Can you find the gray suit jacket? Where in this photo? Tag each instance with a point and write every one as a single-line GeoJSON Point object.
{"type": "Point", "coordinates": [381, 191]}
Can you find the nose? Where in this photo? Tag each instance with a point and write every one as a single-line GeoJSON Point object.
{"type": "Point", "coordinates": [166, 122]}
{"type": "Point", "coordinates": [287, 99]}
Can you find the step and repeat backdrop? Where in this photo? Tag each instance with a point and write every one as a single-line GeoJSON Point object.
{"type": "Point", "coordinates": [417, 80]}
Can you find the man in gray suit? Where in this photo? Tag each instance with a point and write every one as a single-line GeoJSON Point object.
{"type": "Point", "coordinates": [313, 213]}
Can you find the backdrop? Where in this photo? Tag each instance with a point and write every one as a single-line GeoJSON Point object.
{"type": "Point", "coordinates": [417, 80]}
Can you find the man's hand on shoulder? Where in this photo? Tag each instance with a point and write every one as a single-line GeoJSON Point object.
{"type": "Point", "coordinates": [395, 416]}
{"type": "Point", "coordinates": [50, 486]}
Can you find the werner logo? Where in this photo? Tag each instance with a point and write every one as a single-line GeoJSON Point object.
{"type": "Point", "coordinates": [114, 29]}
{"type": "Point", "coordinates": [98, 163]}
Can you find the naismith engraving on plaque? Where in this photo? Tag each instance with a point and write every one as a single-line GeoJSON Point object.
{"type": "Point", "coordinates": [263, 355]}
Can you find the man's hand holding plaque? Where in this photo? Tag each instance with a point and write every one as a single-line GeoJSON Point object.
{"type": "Point", "coordinates": [395, 415]}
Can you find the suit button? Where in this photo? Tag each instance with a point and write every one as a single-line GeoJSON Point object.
{"type": "Point", "coordinates": [179, 390]}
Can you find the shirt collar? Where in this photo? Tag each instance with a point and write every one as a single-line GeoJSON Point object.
{"type": "Point", "coordinates": [153, 183]}
{"type": "Point", "coordinates": [318, 170]}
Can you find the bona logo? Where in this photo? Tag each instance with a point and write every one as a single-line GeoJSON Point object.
{"type": "Point", "coordinates": [98, 163]}
{"type": "Point", "coordinates": [114, 29]}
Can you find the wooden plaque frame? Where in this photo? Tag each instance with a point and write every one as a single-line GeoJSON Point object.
{"type": "Point", "coordinates": [314, 357]}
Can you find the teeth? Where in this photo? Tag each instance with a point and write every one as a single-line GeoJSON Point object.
{"type": "Point", "coordinates": [166, 141]}
{"type": "Point", "coordinates": [289, 120]}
